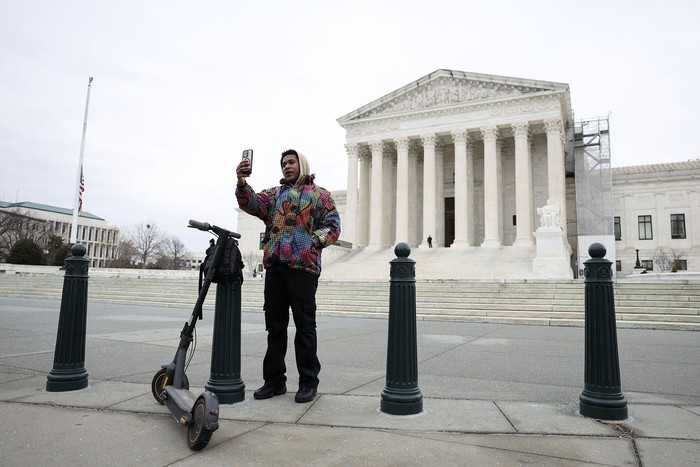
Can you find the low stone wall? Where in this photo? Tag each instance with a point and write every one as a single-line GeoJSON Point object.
{"type": "Point", "coordinates": [6, 268]}
{"type": "Point", "coordinates": [680, 277]}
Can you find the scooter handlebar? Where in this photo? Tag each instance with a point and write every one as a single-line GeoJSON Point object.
{"type": "Point", "coordinates": [206, 227]}
{"type": "Point", "coordinates": [203, 226]}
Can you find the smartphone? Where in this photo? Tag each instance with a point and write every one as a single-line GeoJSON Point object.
{"type": "Point", "coordinates": [248, 156]}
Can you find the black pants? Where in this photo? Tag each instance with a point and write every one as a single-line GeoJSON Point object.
{"type": "Point", "coordinates": [284, 288]}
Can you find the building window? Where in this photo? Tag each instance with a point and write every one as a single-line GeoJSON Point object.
{"type": "Point", "coordinates": [618, 265]}
{"type": "Point", "coordinates": [262, 236]}
{"type": "Point", "coordinates": [645, 232]}
{"type": "Point", "coordinates": [681, 265]}
{"type": "Point", "coordinates": [618, 228]}
{"type": "Point", "coordinates": [677, 225]}
{"type": "Point", "coordinates": [647, 264]}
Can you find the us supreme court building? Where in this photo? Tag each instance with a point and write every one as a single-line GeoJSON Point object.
{"type": "Point", "coordinates": [501, 177]}
{"type": "Point", "coordinates": [460, 157]}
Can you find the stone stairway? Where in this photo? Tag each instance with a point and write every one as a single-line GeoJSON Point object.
{"type": "Point", "coordinates": [649, 305]}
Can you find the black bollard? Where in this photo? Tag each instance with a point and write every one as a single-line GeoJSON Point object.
{"type": "Point", "coordinates": [601, 397]}
{"type": "Point", "coordinates": [68, 373]}
{"type": "Point", "coordinates": [225, 376]}
{"type": "Point", "coordinates": [401, 395]}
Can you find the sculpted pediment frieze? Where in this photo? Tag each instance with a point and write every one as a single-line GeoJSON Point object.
{"type": "Point", "coordinates": [446, 89]}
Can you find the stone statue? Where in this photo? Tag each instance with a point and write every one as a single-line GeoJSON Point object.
{"type": "Point", "coordinates": [549, 215]}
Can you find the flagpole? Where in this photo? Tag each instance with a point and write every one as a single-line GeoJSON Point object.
{"type": "Point", "coordinates": [79, 183]}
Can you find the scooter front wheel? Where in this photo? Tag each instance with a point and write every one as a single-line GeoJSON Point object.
{"type": "Point", "coordinates": [160, 380]}
{"type": "Point", "coordinates": [197, 435]}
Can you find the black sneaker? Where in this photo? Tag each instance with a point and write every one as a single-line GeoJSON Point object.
{"type": "Point", "coordinates": [305, 394]}
{"type": "Point", "coordinates": [267, 391]}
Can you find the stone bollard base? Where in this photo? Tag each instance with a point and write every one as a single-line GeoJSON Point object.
{"type": "Point", "coordinates": [227, 391]}
{"type": "Point", "coordinates": [603, 406]}
{"type": "Point", "coordinates": [66, 380]}
{"type": "Point", "coordinates": [401, 404]}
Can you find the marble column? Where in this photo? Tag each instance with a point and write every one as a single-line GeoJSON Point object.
{"type": "Point", "coordinates": [362, 225]}
{"type": "Point", "coordinates": [692, 222]}
{"type": "Point", "coordinates": [429, 190]}
{"type": "Point", "coordinates": [415, 223]}
{"type": "Point", "coordinates": [402, 190]}
{"type": "Point", "coordinates": [439, 236]}
{"type": "Point", "coordinates": [524, 209]}
{"type": "Point", "coordinates": [350, 221]}
{"type": "Point", "coordinates": [493, 204]}
{"type": "Point", "coordinates": [471, 209]}
{"type": "Point", "coordinates": [556, 175]}
{"type": "Point", "coordinates": [376, 222]}
{"type": "Point", "coordinates": [389, 197]}
{"type": "Point", "coordinates": [462, 189]}
{"type": "Point", "coordinates": [662, 227]}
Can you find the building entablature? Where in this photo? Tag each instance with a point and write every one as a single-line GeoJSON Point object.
{"type": "Point", "coordinates": [448, 101]}
{"type": "Point", "coordinates": [675, 172]}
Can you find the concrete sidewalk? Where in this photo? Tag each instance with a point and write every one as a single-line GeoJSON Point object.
{"type": "Point", "coordinates": [493, 395]}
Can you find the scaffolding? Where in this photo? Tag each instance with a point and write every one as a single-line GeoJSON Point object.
{"type": "Point", "coordinates": [594, 194]}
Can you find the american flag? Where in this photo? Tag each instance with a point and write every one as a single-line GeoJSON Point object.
{"type": "Point", "coordinates": [80, 192]}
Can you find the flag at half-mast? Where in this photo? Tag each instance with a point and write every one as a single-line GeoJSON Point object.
{"type": "Point", "coordinates": [80, 191]}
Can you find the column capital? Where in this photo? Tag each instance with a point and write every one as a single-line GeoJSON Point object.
{"type": "Point", "coordinates": [460, 136]}
{"type": "Point", "coordinates": [554, 126]}
{"type": "Point", "coordinates": [521, 129]}
{"type": "Point", "coordinates": [353, 149]}
{"type": "Point", "coordinates": [440, 146]}
{"type": "Point", "coordinates": [490, 134]}
{"type": "Point", "coordinates": [429, 139]}
{"type": "Point", "coordinates": [377, 145]}
{"type": "Point", "coordinates": [402, 143]}
{"type": "Point", "coordinates": [363, 152]}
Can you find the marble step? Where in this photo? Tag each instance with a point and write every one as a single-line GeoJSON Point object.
{"type": "Point", "coordinates": [667, 306]}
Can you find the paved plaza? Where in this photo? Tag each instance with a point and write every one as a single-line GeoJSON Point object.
{"type": "Point", "coordinates": [493, 395]}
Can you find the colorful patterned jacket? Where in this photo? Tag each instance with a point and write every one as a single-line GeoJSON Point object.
{"type": "Point", "coordinates": [300, 220]}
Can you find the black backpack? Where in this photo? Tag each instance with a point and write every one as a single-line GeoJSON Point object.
{"type": "Point", "coordinates": [231, 267]}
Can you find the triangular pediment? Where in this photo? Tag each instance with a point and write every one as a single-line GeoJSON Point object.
{"type": "Point", "coordinates": [445, 88]}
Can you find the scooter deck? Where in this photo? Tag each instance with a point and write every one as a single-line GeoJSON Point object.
{"type": "Point", "coordinates": [180, 403]}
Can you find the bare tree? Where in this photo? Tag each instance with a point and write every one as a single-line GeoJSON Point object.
{"type": "Point", "coordinates": [15, 225]}
{"type": "Point", "coordinates": [125, 255]}
{"type": "Point", "coordinates": [174, 253]}
{"type": "Point", "coordinates": [251, 259]}
{"type": "Point", "coordinates": [147, 240]}
{"type": "Point", "coordinates": [677, 256]}
{"type": "Point", "coordinates": [662, 260]}
{"type": "Point", "coordinates": [666, 261]}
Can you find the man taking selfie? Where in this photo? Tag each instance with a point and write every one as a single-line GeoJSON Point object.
{"type": "Point", "coordinates": [300, 220]}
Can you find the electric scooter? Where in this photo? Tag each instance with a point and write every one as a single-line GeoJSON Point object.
{"type": "Point", "coordinates": [170, 385]}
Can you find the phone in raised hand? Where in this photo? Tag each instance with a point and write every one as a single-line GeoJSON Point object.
{"type": "Point", "coordinates": [248, 156]}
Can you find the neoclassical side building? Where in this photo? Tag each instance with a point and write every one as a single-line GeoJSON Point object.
{"type": "Point", "coordinates": [100, 238]}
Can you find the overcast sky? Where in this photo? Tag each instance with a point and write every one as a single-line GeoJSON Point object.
{"type": "Point", "coordinates": [182, 87]}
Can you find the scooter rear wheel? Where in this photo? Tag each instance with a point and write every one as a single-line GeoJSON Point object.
{"type": "Point", "coordinates": [160, 381]}
{"type": "Point", "coordinates": [197, 435]}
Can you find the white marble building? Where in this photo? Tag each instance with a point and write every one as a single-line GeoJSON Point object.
{"type": "Point", "coordinates": [456, 156]}
{"type": "Point", "coordinates": [469, 159]}
{"type": "Point", "coordinates": [657, 209]}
